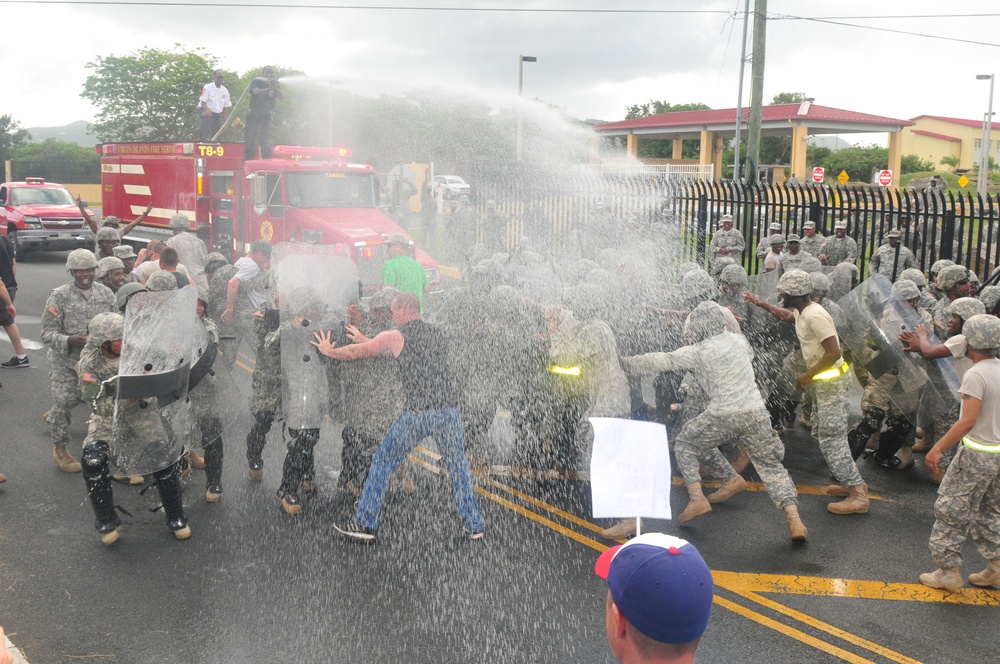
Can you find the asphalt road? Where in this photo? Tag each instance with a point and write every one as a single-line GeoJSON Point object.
{"type": "Point", "coordinates": [255, 585]}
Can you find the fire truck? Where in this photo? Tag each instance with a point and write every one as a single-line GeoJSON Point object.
{"type": "Point", "coordinates": [304, 194]}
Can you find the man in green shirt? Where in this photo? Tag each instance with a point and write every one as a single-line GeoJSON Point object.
{"type": "Point", "coordinates": [402, 271]}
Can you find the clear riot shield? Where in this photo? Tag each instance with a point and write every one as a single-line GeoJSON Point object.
{"type": "Point", "coordinates": [314, 285]}
{"type": "Point", "coordinates": [153, 420]}
{"type": "Point", "coordinates": [539, 283]}
{"type": "Point", "coordinates": [212, 387]}
{"type": "Point", "coordinates": [875, 315]}
{"type": "Point", "coordinates": [771, 339]}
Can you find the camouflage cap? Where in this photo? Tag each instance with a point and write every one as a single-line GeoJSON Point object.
{"type": "Point", "coordinates": [982, 332]}
{"type": "Point", "coordinates": [726, 219]}
{"type": "Point", "coordinates": [733, 274]}
{"type": "Point", "coordinates": [940, 265]}
{"type": "Point", "coordinates": [161, 280]}
{"type": "Point", "coordinates": [776, 238]}
{"type": "Point", "coordinates": [966, 307]}
{"type": "Point", "coordinates": [893, 233]}
{"type": "Point", "coordinates": [795, 282]}
{"type": "Point", "coordinates": [820, 282]}
{"type": "Point", "coordinates": [180, 221]}
{"type": "Point", "coordinates": [914, 275]}
{"type": "Point", "coordinates": [989, 296]}
{"type": "Point", "coordinates": [793, 237]}
{"type": "Point", "coordinates": [383, 299]}
{"type": "Point", "coordinates": [108, 235]}
{"type": "Point", "coordinates": [951, 275]}
{"type": "Point", "coordinates": [809, 225]}
{"type": "Point", "coordinates": [105, 265]}
{"type": "Point", "coordinates": [105, 326]}
{"type": "Point", "coordinates": [124, 251]}
{"type": "Point", "coordinates": [906, 289]}
{"type": "Point", "coordinates": [774, 226]}
{"type": "Point", "coordinates": [127, 291]}
{"type": "Point", "coordinates": [81, 259]}
{"type": "Point", "coordinates": [840, 223]}
{"type": "Point", "coordinates": [705, 321]}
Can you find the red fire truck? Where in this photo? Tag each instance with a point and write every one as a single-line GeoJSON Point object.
{"type": "Point", "coordinates": [304, 194]}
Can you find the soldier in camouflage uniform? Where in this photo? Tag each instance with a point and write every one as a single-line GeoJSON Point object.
{"type": "Point", "coordinates": [111, 273]}
{"type": "Point", "coordinates": [811, 240]}
{"type": "Point", "coordinates": [936, 268]}
{"type": "Point", "coordinates": [735, 413]}
{"type": "Point", "coordinates": [126, 254]}
{"type": "Point", "coordinates": [969, 497]}
{"type": "Point", "coordinates": [205, 404]}
{"type": "Point", "coordinates": [952, 283]}
{"type": "Point", "coordinates": [891, 259]}
{"type": "Point", "coordinates": [792, 260]}
{"type": "Point", "coordinates": [265, 397]}
{"type": "Point", "coordinates": [106, 239]}
{"type": "Point", "coordinates": [64, 330]}
{"type": "Point", "coordinates": [764, 245]}
{"type": "Point", "coordinates": [828, 378]}
{"type": "Point", "coordinates": [839, 248]}
{"type": "Point", "coordinates": [218, 272]}
{"type": "Point", "coordinates": [727, 241]}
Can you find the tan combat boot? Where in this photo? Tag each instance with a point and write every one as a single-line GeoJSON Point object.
{"type": "Point", "coordinates": [943, 579]}
{"type": "Point", "coordinates": [836, 491]}
{"type": "Point", "coordinates": [988, 577]}
{"type": "Point", "coordinates": [196, 460]}
{"type": "Point", "coordinates": [697, 505]}
{"type": "Point", "coordinates": [621, 530]}
{"type": "Point", "coordinates": [741, 460]}
{"type": "Point", "coordinates": [3, 478]}
{"type": "Point", "coordinates": [65, 460]}
{"type": "Point", "coordinates": [905, 456]}
{"type": "Point", "coordinates": [728, 489]}
{"type": "Point", "coordinates": [795, 525]}
{"type": "Point", "coordinates": [855, 503]}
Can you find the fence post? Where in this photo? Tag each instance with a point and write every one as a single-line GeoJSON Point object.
{"type": "Point", "coordinates": [947, 234]}
{"type": "Point", "coordinates": [703, 215]}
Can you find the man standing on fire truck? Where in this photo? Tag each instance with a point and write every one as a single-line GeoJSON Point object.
{"type": "Point", "coordinates": [264, 92]}
{"type": "Point", "coordinates": [214, 104]}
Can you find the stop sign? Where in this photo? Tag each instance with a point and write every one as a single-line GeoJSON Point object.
{"type": "Point", "coordinates": [885, 178]}
{"type": "Point", "coordinates": [819, 174]}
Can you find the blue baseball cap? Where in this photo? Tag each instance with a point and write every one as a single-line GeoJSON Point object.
{"type": "Point", "coordinates": [661, 585]}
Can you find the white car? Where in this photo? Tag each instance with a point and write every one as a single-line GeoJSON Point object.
{"type": "Point", "coordinates": [450, 186]}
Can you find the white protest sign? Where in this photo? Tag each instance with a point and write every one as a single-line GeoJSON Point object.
{"type": "Point", "coordinates": [630, 469]}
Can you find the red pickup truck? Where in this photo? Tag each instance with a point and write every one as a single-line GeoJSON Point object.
{"type": "Point", "coordinates": [42, 216]}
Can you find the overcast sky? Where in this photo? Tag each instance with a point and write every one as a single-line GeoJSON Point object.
{"type": "Point", "coordinates": [591, 64]}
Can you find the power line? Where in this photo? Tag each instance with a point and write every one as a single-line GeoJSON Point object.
{"type": "Point", "coordinates": [900, 16]}
{"type": "Point", "coordinates": [870, 27]}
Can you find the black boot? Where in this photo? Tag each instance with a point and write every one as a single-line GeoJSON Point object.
{"type": "Point", "coordinates": [211, 437]}
{"type": "Point", "coordinates": [168, 483]}
{"type": "Point", "coordinates": [98, 480]}
{"type": "Point", "coordinates": [256, 439]}
{"type": "Point", "coordinates": [298, 463]}
{"type": "Point", "coordinates": [871, 422]}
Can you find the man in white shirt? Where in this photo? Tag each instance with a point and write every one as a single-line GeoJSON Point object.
{"type": "Point", "coordinates": [214, 104]}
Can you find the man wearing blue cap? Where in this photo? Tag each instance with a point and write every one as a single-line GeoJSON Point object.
{"type": "Point", "coordinates": [659, 599]}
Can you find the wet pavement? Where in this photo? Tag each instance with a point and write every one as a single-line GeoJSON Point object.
{"type": "Point", "coordinates": [256, 585]}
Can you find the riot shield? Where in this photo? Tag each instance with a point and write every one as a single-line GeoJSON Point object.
{"type": "Point", "coordinates": [314, 285]}
{"type": "Point", "coordinates": [217, 399]}
{"type": "Point", "coordinates": [875, 315]}
{"type": "Point", "coordinates": [152, 419]}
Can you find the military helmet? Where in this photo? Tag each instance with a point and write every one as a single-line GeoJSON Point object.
{"type": "Point", "coordinates": [698, 284]}
{"type": "Point", "coordinates": [795, 283]}
{"type": "Point", "coordinates": [382, 299]}
{"type": "Point", "coordinates": [203, 294]}
{"type": "Point", "coordinates": [820, 282]}
{"type": "Point", "coordinates": [124, 251]}
{"type": "Point", "coordinates": [108, 235]}
{"type": "Point", "coordinates": [586, 300]}
{"type": "Point", "coordinates": [81, 259]}
{"type": "Point", "coordinates": [107, 264]}
{"type": "Point", "coordinates": [982, 332]}
{"type": "Point", "coordinates": [950, 276]}
{"type": "Point", "coordinates": [111, 221]}
{"type": "Point", "coordinates": [966, 307]}
{"type": "Point", "coordinates": [811, 265]}
{"type": "Point", "coordinates": [721, 263]}
{"type": "Point", "coordinates": [685, 267]}
{"type": "Point", "coordinates": [906, 289]}
{"type": "Point", "coordinates": [775, 238]}
{"type": "Point", "coordinates": [705, 321]}
{"type": "Point", "coordinates": [793, 237]}
{"type": "Point", "coordinates": [989, 296]}
{"type": "Point", "coordinates": [161, 280]}
{"type": "Point", "coordinates": [126, 291]}
{"type": "Point", "coordinates": [105, 326]}
{"type": "Point", "coordinates": [733, 274]}
{"type": "Point", "coordinates": [180, 221]}
{"type": "Point", "coordinates": [939, 265]}
{"type": "Point", "coordinates": [914, 275]}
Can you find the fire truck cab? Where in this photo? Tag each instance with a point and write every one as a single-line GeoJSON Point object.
{"type": "Point", "coordinates": [304, 194]}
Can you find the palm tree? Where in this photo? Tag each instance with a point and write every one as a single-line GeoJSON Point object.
{"type": "Point", "coordinates": [951, 161]}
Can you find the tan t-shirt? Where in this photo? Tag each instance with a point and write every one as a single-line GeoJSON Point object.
{"type": "Point", "coordinates": [982, 381]}
{"type": "Point", "coordinates": [813, 326]}
{"type": "Point", "coordinates": [146, 270]}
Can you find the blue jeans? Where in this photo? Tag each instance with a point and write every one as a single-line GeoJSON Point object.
{"type": "Point", "coordinates": [445, 425]}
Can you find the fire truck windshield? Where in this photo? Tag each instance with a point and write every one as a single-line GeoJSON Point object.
{"type": "Point", "coordinates": [330, 190]}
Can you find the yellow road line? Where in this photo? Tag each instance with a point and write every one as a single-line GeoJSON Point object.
{"type": "Point", "coordinates": [572, 518]}
{"type": "Point", "coordinates": [243, 366]}
{"type": "Point", "coordinates": [538, 518]}
{"type": "Point", "coordinates": [798, 635]}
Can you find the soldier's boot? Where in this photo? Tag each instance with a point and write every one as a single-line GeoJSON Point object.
{"type": "Point", "coordinates": [3, 478]}
{"type": "Point", "coordinates": [988, 577]}
{"type": "Point", "coordinates": [256, 439]}
{"type": "Point", "coordinates": [871, 423]}
{"type": "Point", "coordinates": [836, 491]}
{"type": "Point", "coordinates": [728, 489]}
{"type": "Point", "coordinates": [65, 460]}
{"type": "Point", "coordinates": [98, 481]}
{"type": "Point", "coordinates": [943, 579]}
{"type": "Point", "coordinates": [925, 440]}
{"type": "Point", "coordinates": [741, 460]}
{"type": "Point", "coordinates": [211, 436]}
{"type": "Point", "coordinates": [855, 503]}
{"type": "Point", "coordinates": [298, 462]}
{"type": "Point", "coordinates": [795, 526]}
{"type": "Point", "coordinates": [697, 505]}
{"type": "Point", "coordinates": [196, 460]}
{"type": "Point", "coordinates": [621, 530]}
{"type": "Point", "coordinates": [898, 430]}
{"type": "Point", "coordinates": [168, 484]}
{"type": "Point", "coordinates": [905, 456]}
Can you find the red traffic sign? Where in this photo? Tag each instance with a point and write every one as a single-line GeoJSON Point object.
{"type": "Point", "coordinates": [819, 174]}
{"type": "Point", "coordinates": [885, 177]}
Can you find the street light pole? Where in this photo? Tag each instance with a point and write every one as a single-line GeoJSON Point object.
{"type": "Point", "coordinates": [521, 59]}
{"type": "Point", "coordinates": [984, 154]}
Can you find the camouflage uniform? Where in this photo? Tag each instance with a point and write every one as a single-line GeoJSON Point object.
{"type": "Point", "coordinates": [884, 258]}
{"type": "Point", "coordinates": [265, 397]}
{"type": "Point", "coordinates": [791, 261]}
{"type": "Point", "coordinates": [968, 500]}
{"type": "Point", "coordinates": [731, 239]}
{"type": "Point", "coordinates": [812, 245]}
{"type": "Point", "coordinates": [840, 250]}
{"type": "Point", "coordinates": [67, 313]}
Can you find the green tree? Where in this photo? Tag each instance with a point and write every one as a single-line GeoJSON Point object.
{"type": "Point", "coordinates": [778, 149]}
{"type": "Point", "coordinates": [788, 98]}
{"type": "Point", "coordinates": [12, 135]}
{"type": "Point", "coordinates": [911, 163]}
{"type": "Point", "coordinates": [950, 161]}
{"type": "Point", "coordinates": [663, 148]}
{"type": "Point", "coordinates": [859, 161]}
{"type": "Point", "coordinates": [655, 107]}
{"type": "Point", "coordinates": [70, 158]}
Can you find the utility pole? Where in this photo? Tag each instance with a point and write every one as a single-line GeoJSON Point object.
{"type": "Point", "coordinates": [739, 99]}
{"type": "Point", "coordinates": [757, 83]}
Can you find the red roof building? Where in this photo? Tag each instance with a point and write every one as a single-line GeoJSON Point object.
{"type": "Point", "coordinates": [935, 137]}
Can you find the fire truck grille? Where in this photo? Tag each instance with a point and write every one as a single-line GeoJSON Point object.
{"type": "Point", "coordinates": [62, 223]}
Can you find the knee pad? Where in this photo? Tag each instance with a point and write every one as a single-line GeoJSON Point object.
{"type": "Point", "coordinates": [95, 459]}
{"type": "Point", "coordinates": [871, 420]}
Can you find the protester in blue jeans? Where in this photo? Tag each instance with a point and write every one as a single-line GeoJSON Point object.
{"type": "Point", "coordinates": [431, 409]}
